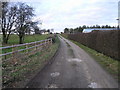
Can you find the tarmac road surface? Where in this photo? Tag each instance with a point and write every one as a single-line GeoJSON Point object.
{"type": "Point", "coordinates": [72, 67]}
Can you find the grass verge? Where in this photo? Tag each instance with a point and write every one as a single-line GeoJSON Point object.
{"type": "Point", "coordinates": [111, 65]}
{"type": "Point", "coordinates": [14, 39]}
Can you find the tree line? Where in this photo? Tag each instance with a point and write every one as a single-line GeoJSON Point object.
{"type": "Point", "coordinates": [81, 28]}
{"type": "Point", "coordinates": [17, 19]}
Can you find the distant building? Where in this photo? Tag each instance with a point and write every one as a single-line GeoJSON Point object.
{"type": "Point", "coordinates": [43, 32]}
{"type": "Point", "coordinates": [46, 32]}
{"type": "Point", "coordinates": [91, 29]}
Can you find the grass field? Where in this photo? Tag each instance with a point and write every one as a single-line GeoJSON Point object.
{"type": "Point", "coordinates": [14, 39]}
{"type": "Point", "coordinates": [111, 65]}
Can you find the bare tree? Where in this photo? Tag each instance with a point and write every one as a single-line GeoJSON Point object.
{"type": "Point", "coordinates": [35, 27]}
{"type": "Point", "coordinates": [16, 18]}
{"type": "Point", "coordinates": [8, 20]}
{"type": "Point", "coordinates": [24, 14]}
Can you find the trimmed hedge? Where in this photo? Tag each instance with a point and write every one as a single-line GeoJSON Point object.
{"type": "Point", "coordinates": [106, 42]}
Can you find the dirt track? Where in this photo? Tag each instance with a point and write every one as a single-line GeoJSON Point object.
{"type": "Point", "coordinates": [72, 68]}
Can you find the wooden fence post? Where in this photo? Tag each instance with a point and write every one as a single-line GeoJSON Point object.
{"type": "Point", "coordinates": [35, 47]}
{"type": "Point", "coordinates": [45, 44]}
{"type": "Point", "coordinates": [39, 47]}
{"type": "Point", "coordinates": [51, 41]}
{"type": "Point", "coordinates": [14, 55]}
{"type": "Point", "coordinates": [5, 55]}
{"type": "Point", "coordinates": [26, 46]}
{"type": "Point", "coordinates": [14, 60]}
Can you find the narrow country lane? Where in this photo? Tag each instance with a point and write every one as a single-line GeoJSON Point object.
{"type": "Point", "coordinates": [72, 68]}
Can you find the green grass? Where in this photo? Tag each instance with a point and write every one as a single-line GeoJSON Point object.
{"type": "Point", "coordinates": [111, 65]}
{"type": "Point", "coordinates": [28, 66]}
{"type": "Point", "coordinates": [14, 39]}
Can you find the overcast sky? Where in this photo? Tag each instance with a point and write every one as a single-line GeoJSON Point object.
{"type": "Point", "coordinates": [59, 14]}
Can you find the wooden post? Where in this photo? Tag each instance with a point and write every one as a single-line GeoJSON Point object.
{"type": "Point", "coordinates": [45, 44]}
{"type": "Point", "coordinates": [26, 46]}
{"type": "Point", "coordinates": [5, 55]}
{"type": "Point", "coordinates": [51, 41]}
{"type": "Point", "coordinates": [48, 42]}
{"type": "Point", "coordinates": [40, 46]}
{"type": "Point", "coordinates": [35, 47]}
{"type": "Point", "coordinates": [13, 59]}
{"type": "Point", "coordinates": [14, 55]}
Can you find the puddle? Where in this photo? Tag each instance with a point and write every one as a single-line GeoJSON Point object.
{"type": "Point", "coordinates": [52, 86]}
{"type": "Point", "coordinates": [55, 74]}
{"type": "Point", "coordinates": [93, 85]}
{"type": "Point", "coordinates": [74, 59]}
